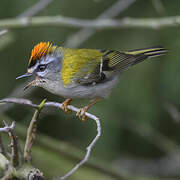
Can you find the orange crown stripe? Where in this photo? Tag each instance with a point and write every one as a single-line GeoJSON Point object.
{"type": "Point", "coordinates": [40, 50]}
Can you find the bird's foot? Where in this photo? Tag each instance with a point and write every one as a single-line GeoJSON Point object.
{"type": "Point", "coordinates": [82, 113]}
{"type": "Point", "coordinates": [65, 106]}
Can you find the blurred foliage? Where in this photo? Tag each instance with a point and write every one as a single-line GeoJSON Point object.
{"type": "Point", "coordinates": [139, 97]}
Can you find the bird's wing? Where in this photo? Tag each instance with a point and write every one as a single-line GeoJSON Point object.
{"type": "Point", "coordinates": [101, 66]}
{"type": "Point", "coordinates": [87, 66]}
{"type": "Point", "coordinates": [81, 66]}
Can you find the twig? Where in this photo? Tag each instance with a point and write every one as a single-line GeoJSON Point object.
{"type": "Point", "coordinates": [127, 22]}
{"type": "Point", "coordinates": [14, 142]}
{"type": "Point", "coordinates": [27, 102]}
{"type": "Point", "coordinates": [18, 101]}
{"type": "Point", "coordinates": [82, 35]}
{"type": "Point", "coordinates": [13, 145]}
{"type": "Point", "coordinates": [31, 133]}
{"type": "Point", "coordinates": [7, 128]}
{"type": "Point", "coordinates": [59, 105]}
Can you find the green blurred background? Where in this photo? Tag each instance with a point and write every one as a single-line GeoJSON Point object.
{"type": "Point", "coordinates": [140, 136]}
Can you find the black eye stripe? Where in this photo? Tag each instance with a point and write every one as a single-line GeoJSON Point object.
{"type": "Point", "coordinates": [32, 64]}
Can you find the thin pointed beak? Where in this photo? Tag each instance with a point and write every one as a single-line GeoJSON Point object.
{"type": "Point", "coordinates": [24, 75]}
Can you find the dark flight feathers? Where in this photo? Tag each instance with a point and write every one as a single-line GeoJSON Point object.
{"type": "Point", "coordinates": [117, 61]}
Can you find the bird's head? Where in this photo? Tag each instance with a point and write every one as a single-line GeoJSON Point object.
{"type": "Point", "coordinates": [44, 63]}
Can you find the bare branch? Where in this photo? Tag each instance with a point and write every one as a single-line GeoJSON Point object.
{"type": "Point", "coordinates": [7, 128]}
{"type": "Point", "coordinates": [31, 133]}
{"type": "Point", "coordinates": [18, 101]}
{"type": "Point", "coordinates": [27, 102]}
{"type": "Point", "coordinates": [14, 143]}
{"type": "Point", "coordinates": [59, 105]}
{"type": "Point", "coordinates": [127, 22]}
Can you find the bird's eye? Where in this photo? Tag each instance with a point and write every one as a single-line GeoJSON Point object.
{"type": "Point", "coordinates": [42, 67]}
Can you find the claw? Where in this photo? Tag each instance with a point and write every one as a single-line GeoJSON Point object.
{"type": "Point", "coordinates": [82, 113]}
{"type": "Point", "coordinates": [65, 104]}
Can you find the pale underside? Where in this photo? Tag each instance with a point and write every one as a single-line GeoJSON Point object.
{"type": "Point", "coordinates": [90, 91]}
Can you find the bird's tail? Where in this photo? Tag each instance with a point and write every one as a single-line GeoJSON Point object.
{"type": "Point", "coordinates": [142, 54]}
{"type": "Point", "coordinates": [121, 61]}
{"type": "Point", "coordinates": [149, 52]}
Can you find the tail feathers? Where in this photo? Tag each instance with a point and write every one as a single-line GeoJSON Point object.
{"type": "Point", "coordinates": [120, 61]}
{"type": "Point", "coordinates": [142, 54]}
{"type": "Point", "coordinates": [149, 52]}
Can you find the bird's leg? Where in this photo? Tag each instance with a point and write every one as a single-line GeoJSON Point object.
{"type": "Point", "coordinates": [65, 104]}
{"type": "Point", "coordinates": [82, 112]}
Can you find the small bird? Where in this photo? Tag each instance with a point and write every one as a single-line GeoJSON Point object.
{"type": "Point", "coordinates": [81, 73]}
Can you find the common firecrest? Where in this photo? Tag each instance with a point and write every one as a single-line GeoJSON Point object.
{"type": "Point", "coordinates": [81, 73]}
